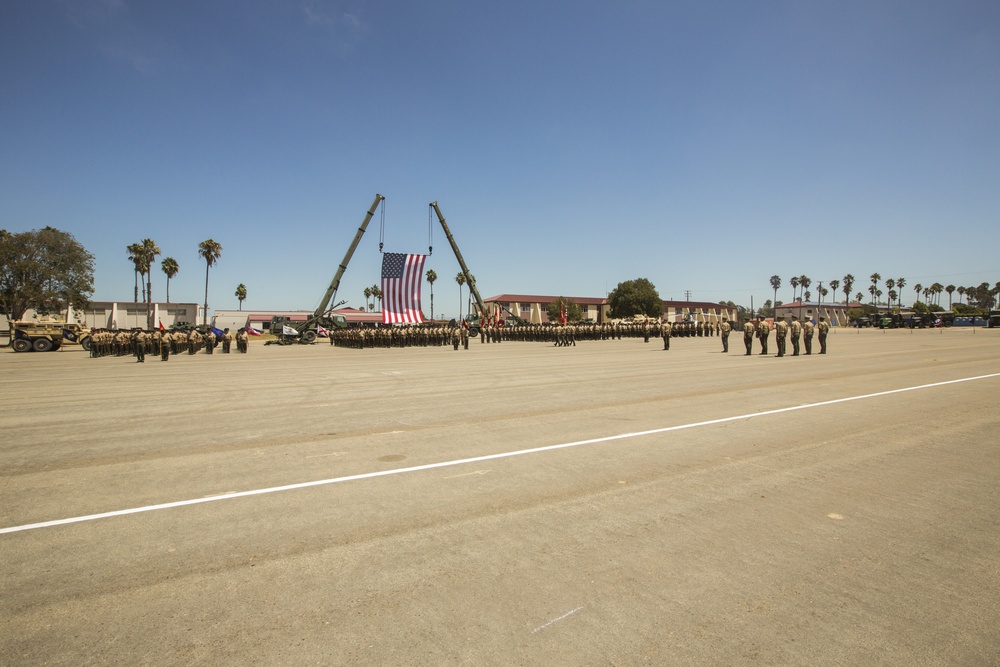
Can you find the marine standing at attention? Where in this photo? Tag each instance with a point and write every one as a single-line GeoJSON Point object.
{"type": "Point", "coordinates": [763, 331]}
{"type": "Point", "coordinates": [796, 331]}
{"type": "Point", "coordinates": [724, 329]}
{"type": "Point", "coordinates": [665, 334]}
{"type": "Point", "coordinates": [780, 334]}
{"type": "Point", "coordinates": [823, 329]}
{"type": "Point", "coordinates": [748, 334]}
{"type": "Point", "coordinates": [807, 335]}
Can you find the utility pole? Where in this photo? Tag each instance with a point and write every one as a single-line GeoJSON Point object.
{"type": "Point", "coordinates": [687, 295]}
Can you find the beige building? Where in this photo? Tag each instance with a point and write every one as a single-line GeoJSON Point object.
{"type": "Point", "coordinates": [533, 308]}
{"type": "Point", "coordinates": [129, 314]}
{"type": "Point", "coordinates": [835, 313]}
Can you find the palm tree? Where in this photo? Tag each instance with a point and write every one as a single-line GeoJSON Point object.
{"type": "Point", "coordinates": [431, 277]}
{"type": "Point", "coordinates": [460, 279]}
{"type": "Point", "coordinates": [368, 295]}
{"type": "Point", "coordinates": [775, 284]}
{"type": "Point", "coordinates": [900, 284]}
{"type": "Point", "coordinates": [149, 252]}
{"type": "Point", "coordinates": [807, 295]}
{"type": "Point", "coordinates": [961, 293]}
{"type": "Point", "coordinates": [377, 294]}
{"type": "Point", "coordinates": [794, 282]}
{"type": "Point", "coordinates": [917, 288]}
{"type": "Point", "coordinates": [936, 290]}
{"type": "Point", "coordinates": [170, 267]}
{"type": "Point", "coordinates": [241, 293]}
{"type": "Point", "coordinates": [858, 296]}
{"type": "Point", "coordinates": [848, 286]}
{"type": "Point", "coordinates": [890, 284]}
{"type": "Point", "coordinates": [834, 284]}
{"type": "Point", "coordinates": [210, 251]}
{"type": "Point", "coordinates": [804, 283]}
{"type": "Point", "coordinates": [950, 289]}
{"type": "Point", "coordinates": [135, 256]}
{"type": "Point", "coordinates": [874, 288]}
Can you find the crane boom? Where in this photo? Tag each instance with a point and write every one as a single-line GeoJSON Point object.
{"type": "Point", "coordinates": [331, 291]}
{"type": "Point", "coordinates": [469, 279]}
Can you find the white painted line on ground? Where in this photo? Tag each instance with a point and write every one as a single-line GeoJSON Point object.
{"type": "Point", "coordinates": [475, 459]}
{"type": "Point", "coordinates": [556, 620]}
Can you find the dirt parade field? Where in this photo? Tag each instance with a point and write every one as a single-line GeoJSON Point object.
{"type": "Point", "coordinates": [511, 504]}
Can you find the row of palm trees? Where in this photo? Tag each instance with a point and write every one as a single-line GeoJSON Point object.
{"type": "Point", "coordinates": [143, 254]}
{"type": "Point", "coordinates": [983, 294]}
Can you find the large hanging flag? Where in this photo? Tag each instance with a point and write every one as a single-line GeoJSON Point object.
{"type": "Point", "coordinates": [401, 278]}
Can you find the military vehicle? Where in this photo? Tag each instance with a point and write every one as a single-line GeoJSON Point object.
{"type": "Point", "coordinates": [47, 335]}
{"type": "Point", "coordinates": [994, 320]}
{"type": "Point", "coordinates": [290, 331]}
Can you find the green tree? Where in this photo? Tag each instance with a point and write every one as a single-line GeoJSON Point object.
{"type": "Point", "coordinates": [890, 285]}
{"type": "Point", "coordinates": [574, 313]}
{"type": "Point", "coordinates": [834, 284]}
{"type": "Point", "coordinates": [241, 293]}
{"type": "Point", "coordinates": [170, 268]}
{"type": "Point", "coordinates": [950, 289]}
{"type": "Point", "coordinates": [377, 294]}
{"type": "Point", "coordinates": [635, 297]}
{"type": "Point", "coordinates": [431, 276]}
{"type": "Point", "coordinates": [210, 251]}
{"type": "Point", "coordinates": [368, 296]}
{"type": "Point", "coordinates": [918, 288]}
{"type": "Point", "coordinates": [804, 282]}
{"type": "Point", "coordinates": [45, 269]}
{"type": "Point", "coordinates": [794, 282]}
{"type": "Point", "coordinates": [900, 284]}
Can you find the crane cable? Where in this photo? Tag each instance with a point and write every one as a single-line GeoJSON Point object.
{"type": "Point", "coordinates": [430, 232]}
{"type": "Point", "coordinates": [381, 227]}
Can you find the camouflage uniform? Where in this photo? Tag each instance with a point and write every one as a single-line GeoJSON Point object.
{"type": "Point", "coordinates": [780, 334]}
{"type": "Point", "coordinates": [796, 330]}
{"type": "Point", "coordinates": [763, 331]}
{"type": "Point", "coordinates": [823, 329]}
{"type": "Point", "coordinates": [748, 333]}
{"type": "Point", "coordinates": [724, 329]}
{"type": "Point", "coordinates": [807, 335]}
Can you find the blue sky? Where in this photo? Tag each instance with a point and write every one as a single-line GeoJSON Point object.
{"type": "Point", "coordinates": [571, 145]}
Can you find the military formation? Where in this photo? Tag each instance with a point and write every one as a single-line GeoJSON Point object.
{"type": "Point", "coordinates": [458, 336]}
{"type": "Point", "coordinates": [163, 343]}
{"type": "Point", "coordinates": [799, 332]}
{"type": "Point", "coordinates": [139, 343]}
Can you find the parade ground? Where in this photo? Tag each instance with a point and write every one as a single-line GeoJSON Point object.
{"type": "Point", "coordinates": [511, 504]}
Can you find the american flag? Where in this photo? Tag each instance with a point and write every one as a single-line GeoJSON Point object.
{"type": "Point", "coordinates": [401, 277]}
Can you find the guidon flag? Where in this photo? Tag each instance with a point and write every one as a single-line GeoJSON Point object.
{"type": "Point", "coordinates": [401, 278]}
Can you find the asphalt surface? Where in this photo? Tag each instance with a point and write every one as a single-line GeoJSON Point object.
{"type": "Point", "coordinates": [513, 504]}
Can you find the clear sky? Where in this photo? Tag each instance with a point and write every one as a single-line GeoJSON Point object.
{"type": "Point", "coordinates": [571, 145]}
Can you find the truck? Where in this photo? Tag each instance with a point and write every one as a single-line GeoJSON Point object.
{"type": "Point", "coordinates": [47, 335]}
{"type": "Point", "coordinates": [305, 330]}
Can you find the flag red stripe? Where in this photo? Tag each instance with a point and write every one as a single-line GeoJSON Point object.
{"type": "Point", "coordinates": [401, 296]}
